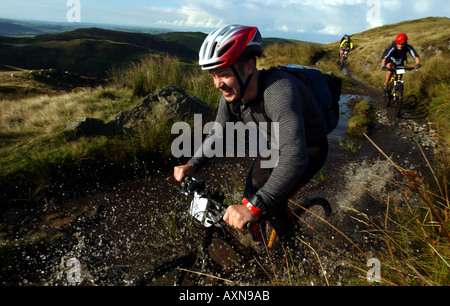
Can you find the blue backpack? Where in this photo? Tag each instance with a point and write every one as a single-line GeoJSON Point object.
{"type": "Point", "coordinates": [326, 89]}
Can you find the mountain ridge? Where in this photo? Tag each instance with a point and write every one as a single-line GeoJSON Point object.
{"type": "Point", "coordinates": [93, 51]}
{"type": "Point", "coordinates": [87, 51]}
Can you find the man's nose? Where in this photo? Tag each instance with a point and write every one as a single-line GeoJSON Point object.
{"type": "Point", "coordinates": [218, 83]}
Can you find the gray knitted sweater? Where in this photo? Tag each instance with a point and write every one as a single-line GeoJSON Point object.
{"type": "Point", "coordinates": [288, 102]}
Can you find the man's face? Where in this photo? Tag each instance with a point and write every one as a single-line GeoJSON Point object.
{"type": "Point", "coordinates": [400, 46]}
{"type": "Point", "coordinates": [225, 80]}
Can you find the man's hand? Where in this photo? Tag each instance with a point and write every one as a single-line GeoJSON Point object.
{"type": "Point", "coordinates": [238, 216]}
{"type": "Point", "coordinates": [180, 172]}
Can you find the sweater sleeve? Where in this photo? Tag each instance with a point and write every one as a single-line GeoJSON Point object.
{"type": "Point", "coordinates": [215, 136]}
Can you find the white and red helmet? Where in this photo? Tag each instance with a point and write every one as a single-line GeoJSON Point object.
{"type": "Point", "coordinates": [223, 46]}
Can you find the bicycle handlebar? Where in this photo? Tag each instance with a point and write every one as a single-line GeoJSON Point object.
{"type": "Point", "coordinates": [400, 67]}
{"type": "Point", "coordinates": [215, 209]}
{"type": "Point", "coordinates": [191, 185]}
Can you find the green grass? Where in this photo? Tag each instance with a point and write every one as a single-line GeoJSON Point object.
{"type": "Point", "coordinates": [416, 230]}
{"type": "Point", "coordinates": [349, 144]}
{"type": "Point", "coordinates": [300, 53]}
{"type": "Point", "coordinates": [322, 57]}
{"type": "Point", "coordinates": [150, 73]}
{"type": "Point", "coordinates": [36, 146]}
{"type": "Point", "coordinates": [36, 149]}
{"type": "Point", "coordinates": [361, 118]}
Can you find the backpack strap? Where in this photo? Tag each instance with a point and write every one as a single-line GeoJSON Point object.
{"type": "Point", "coordinates": [234, 110]}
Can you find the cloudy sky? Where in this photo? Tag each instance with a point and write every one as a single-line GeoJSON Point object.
{"type": "Point", "coordinates": [311, 20]}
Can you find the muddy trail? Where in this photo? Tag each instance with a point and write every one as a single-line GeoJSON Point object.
{"type": "Point", "coordinates": [114, 235]}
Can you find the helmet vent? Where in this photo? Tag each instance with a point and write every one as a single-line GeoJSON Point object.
{"type": "Point", "coordinates": [213, 49]}
{"type": "Point", "coordinates": [226, 48]}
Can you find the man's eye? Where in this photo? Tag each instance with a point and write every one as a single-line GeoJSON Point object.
{"type": "Point", "coordinates": [219, 77]}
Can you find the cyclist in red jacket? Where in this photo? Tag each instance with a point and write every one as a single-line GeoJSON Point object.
{"type": "Point", "coordinates": [396, 54]}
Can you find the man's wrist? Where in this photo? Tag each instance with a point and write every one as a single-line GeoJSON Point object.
{"type": "Point", "coordinates": [255, 205]}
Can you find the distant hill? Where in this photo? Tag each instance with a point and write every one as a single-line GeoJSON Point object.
{"type": "Point", "coordinates": [89, 52]}
{"type": "Point", "coordinates": [22, 28]}
{"type": "Point", "coordinates": [27, 28]}
{"type": "Point", "coordinates": [93, 51]}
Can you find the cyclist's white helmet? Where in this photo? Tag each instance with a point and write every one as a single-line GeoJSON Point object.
{"type": "Point", "coordinates": [223, 46]}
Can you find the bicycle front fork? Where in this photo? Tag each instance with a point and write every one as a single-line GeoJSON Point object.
{"type": "Point", "coordinates": [396, 91]}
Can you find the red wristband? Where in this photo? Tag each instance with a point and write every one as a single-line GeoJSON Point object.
{"type": "Point", "coordinates": [252, 208]}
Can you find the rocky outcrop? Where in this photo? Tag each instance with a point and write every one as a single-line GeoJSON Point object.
{"type": "Point", "coordinates": [86, 126]}
{"type": "Point", "coordinates": [166, 104]}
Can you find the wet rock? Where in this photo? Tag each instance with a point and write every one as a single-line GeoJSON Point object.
{"type": "Point", "coordinates": [422, 134]}
{"type": "Point", "coordinates": [85, 126]}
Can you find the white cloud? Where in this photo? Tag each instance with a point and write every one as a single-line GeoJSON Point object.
{"type": "Point", "coordinates": [290, 17]}
{"type": "Point", "coordinates": [331, 29]}
{"type": "Point", "coordinates": [283, 28]}
{"type": "Point", "coordinates": [196, 17]}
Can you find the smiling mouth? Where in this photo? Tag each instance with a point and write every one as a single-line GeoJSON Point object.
{"type": "Point", "coordinates": [227, 92]}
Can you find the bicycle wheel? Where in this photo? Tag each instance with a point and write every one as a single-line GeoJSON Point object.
{"type": "Point", "coordinates": [312, 217]}
{"type": "Point", "coordinates": [170, 273]}
{"type": "Point", "coordinates": [388, 95]}
{"type": "Point", "coordinates": [399, 95]}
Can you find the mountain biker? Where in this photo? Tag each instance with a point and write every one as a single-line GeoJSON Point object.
{"type": "Point", "coordinates": [396, 55]}
{"type": "Point", "coordinates": [346, 43]}
{"type": "Point", "coordinates": [229, 54]}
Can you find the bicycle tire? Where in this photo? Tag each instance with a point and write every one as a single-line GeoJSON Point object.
{"type": "Point", "coordinates": [314, 202]}
{"type": "Point", "coordinates": [398, 106]}
{"type": "Point", "coordinates": [312, 213]}
{"type": "Point", "coordinates": [388, 95]}
{"type": "Point", "coordinates": [341, 62]}
{"type": "Point", "coordinates": [169, 273]}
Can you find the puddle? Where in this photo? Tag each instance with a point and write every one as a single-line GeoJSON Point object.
{"type": "Point", "coordinates": [333, 138]}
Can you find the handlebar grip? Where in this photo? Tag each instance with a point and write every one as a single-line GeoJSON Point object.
{"type": "Point", "coordinates": [184, 189]}
{"type": "Point", "coordinates": [192, 184]}
{"type": "Point", "coordinates": [249, 225]}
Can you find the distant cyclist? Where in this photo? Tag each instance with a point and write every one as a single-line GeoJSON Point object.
{"type": "Point", "coordinates": [396, 55]}
{"type": "Point", "coordinates": [346, 44]}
